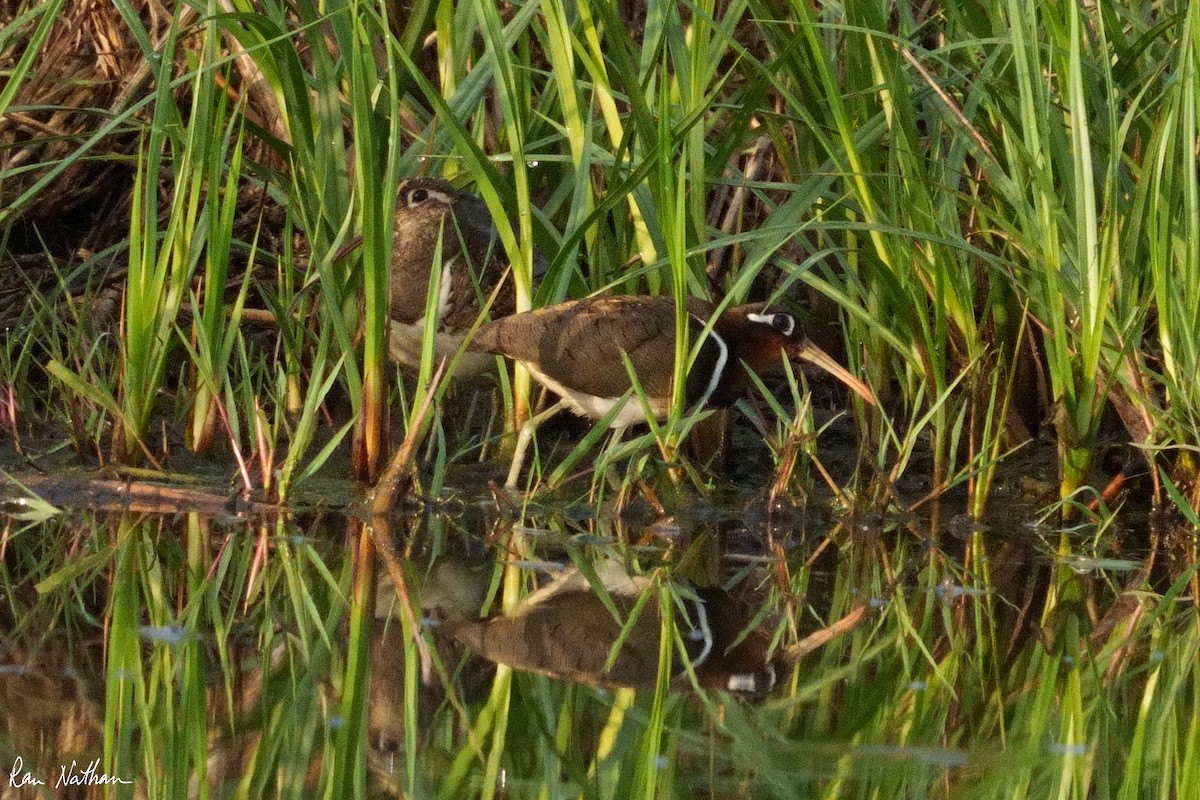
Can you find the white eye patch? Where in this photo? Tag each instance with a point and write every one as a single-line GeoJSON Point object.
{"type": "Point", "coordinates": [420, 195]}
{"type": "Point", "coordinates": [784, 323]}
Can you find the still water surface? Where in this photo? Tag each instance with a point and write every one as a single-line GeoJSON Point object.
{"type": "Point", "coordinates": [723, 651]}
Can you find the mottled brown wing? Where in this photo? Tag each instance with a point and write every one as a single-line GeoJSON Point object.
{"type": "Point", "coordinates": [579, 343]}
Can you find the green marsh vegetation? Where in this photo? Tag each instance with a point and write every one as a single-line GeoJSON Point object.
{"type": "Point", "coordinates": [991, 208]}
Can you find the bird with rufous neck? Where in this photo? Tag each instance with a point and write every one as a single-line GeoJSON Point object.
{"type": "Point", "coordinates": [584, 350]}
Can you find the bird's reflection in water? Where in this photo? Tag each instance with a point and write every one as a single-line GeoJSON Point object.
{"type": "Point", "coordinates": [566, 629]}
{"type": "Point", "coordinates": [603, 628]}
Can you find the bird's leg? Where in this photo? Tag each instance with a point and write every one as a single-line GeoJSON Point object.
{"type": "Point", "coordinates": [523, 437]}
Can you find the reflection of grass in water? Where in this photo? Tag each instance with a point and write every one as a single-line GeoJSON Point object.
{"type": "Point", "coordinates": [983, 666]}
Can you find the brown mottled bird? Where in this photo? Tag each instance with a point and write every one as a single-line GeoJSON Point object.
{"type": "Point", "coordinates": [473, 263]}
{"type": "Point", "coordinates": [577, 349]}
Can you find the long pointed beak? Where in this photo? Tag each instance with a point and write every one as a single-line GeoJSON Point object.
{"type": "Point", "coordinates": [815, 355]}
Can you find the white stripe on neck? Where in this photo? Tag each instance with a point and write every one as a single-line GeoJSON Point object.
{"type": "Point", "coordinates": [718, 368]}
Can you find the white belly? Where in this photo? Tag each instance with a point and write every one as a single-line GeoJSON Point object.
{"type": "Point", "coordinates": [589, 405]}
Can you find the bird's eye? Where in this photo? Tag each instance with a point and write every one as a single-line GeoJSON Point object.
{"type": "Point", "coordinates": [417, 196]}
{"type": "Point", "coordinates": [784, 323]}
